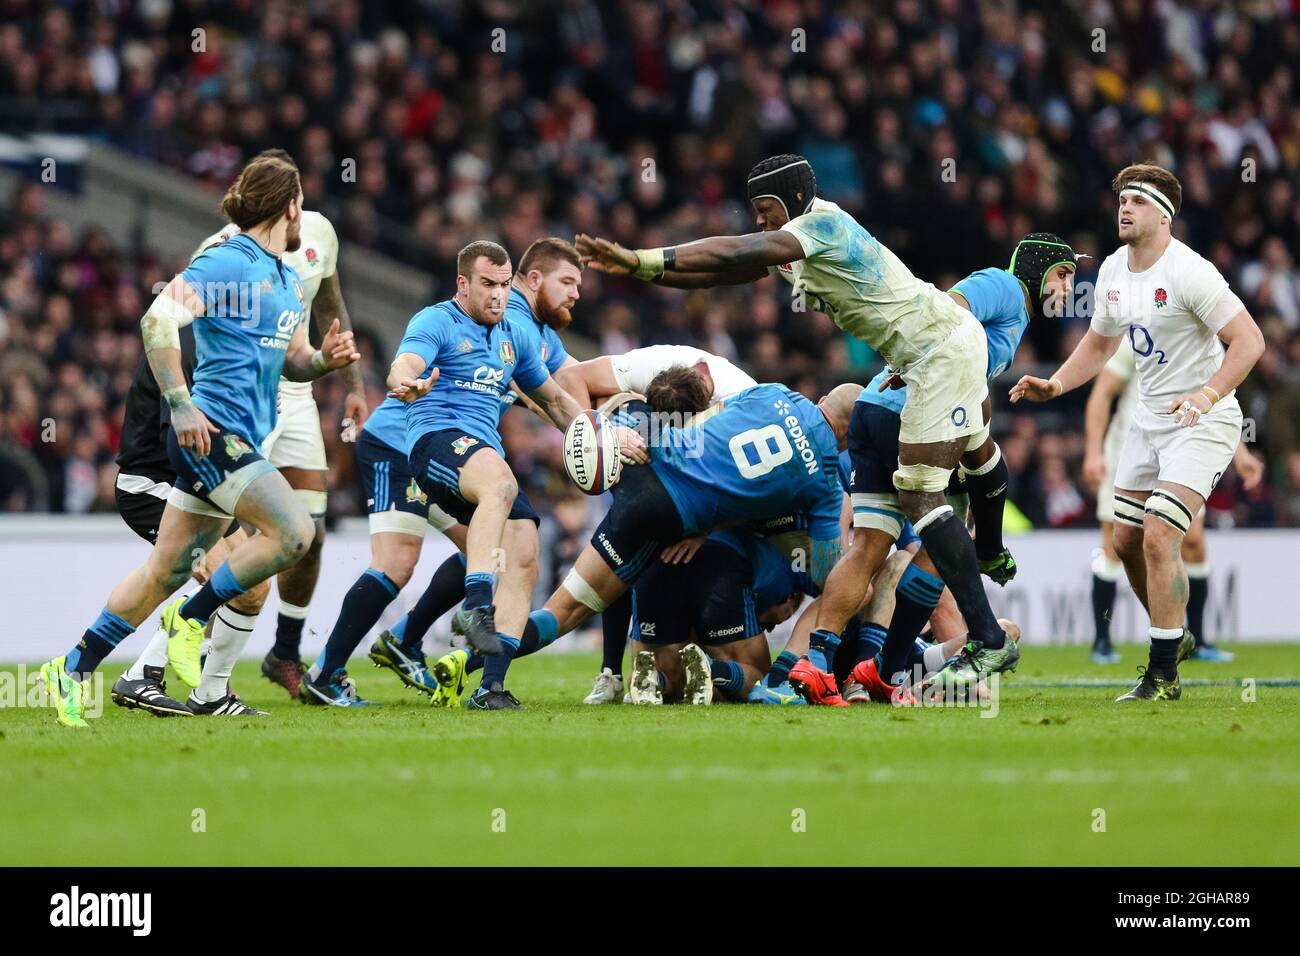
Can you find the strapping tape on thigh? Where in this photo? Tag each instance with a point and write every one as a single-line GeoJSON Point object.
{"type": "Point", "coordinates": [921, 477]}
{"type": "Point", "coordinates": [583, 592]}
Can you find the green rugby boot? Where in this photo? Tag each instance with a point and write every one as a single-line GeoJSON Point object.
{"type": "Point", "coordinates": [67, 695]}
{"type": "Point", "coordinates": [999, 570]}
{"type": "Point", "coordinates": [449, 671]}
{"type": "Point", "coordinates": [1150, 687]}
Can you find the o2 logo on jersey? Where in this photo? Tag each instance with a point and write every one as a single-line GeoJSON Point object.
{"type": "Point", "coordinates": [1147, 345]}
{"type": "Point", "coordinates": [959, 416]}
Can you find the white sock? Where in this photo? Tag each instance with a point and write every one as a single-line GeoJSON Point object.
{"type": "Point", "coordinates": [933, 658]}
{"type": "Point", "coordinates": [1165, 633]}
{"type": "Point", "coordinates": [294, 611]}
{"type": "Point", "coordinates": [155, 655]}
{"type": "Point", "coordinates": [230, 632]}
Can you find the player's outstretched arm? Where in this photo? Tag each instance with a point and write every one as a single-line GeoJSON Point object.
{"type": "Point", "coordinates": [302, 363]}
{"type": "Point", "coordinates": [1096, 416]}
{"type": "Point", "coordinates": [404, 382]}
{"type": "Point", "coordinates": [1088, 358]}
{"type": "Point", "coordinates": [705, 263]}
{"type": "Point", "coordinates": [176, 305]}
{"type": "Point", "coordinates": [326, 308]}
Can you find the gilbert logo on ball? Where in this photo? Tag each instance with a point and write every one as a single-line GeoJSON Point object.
{"type": "Point", "coordinates": [591, 453]}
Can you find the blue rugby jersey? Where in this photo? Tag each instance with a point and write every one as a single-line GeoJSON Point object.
{"type": "Point", "coordinates": [252, 305]}
{"type": "Point", "coordinates": [387, 422]}
{"type": "Point", "coordinates": [766, 452]}
{"type": "Point", "coordinates": [476, 365]}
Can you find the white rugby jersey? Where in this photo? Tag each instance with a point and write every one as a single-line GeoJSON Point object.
{"type": "Point", "coordinates": [865, 289]}
{"type": "Point", "coordinates": [316, 258]}
{"type": "Point", "coordinates": [1121, 364]}
{"type": "Point", "coordinates": [634, 370]}
{"type": "Point", "coordinates": [1171, 315]}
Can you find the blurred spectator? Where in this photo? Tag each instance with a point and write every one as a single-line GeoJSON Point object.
{"type": "Point", "coordinates": [949, 127]}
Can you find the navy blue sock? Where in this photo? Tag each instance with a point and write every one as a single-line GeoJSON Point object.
{"type": "Point", "coordinates": [821, 648]}
{"type": "Point", "coordinates": [915, 598]}
{"type": "Point", "coordinates": [446, 589]}
{"type": "Point", "coordinates": [1164, 656]}
{"type": "Point", "coordinates": [953, 554]}
{"type": "Point", "coordinates": [478, 589]}
{"type": "Point", "coordinates": [988, 495]}
{"type": "Point", "coordinates": [362, 607]}
{"type": "Point", "coordinates": [98, 642]}
{"type": "Point", "coordinates": [540, 631]}
{"type": "Point", "coordinates": [288, 637]}
{"type": "Point", "coordinates": [496, 665]}
{"type": "Point", "coordinates": [1198, 592]}
{"type": "Point", "coordinates": [728, 677]}
{"type": "Point", "coordinates": [779, 672]}
{"type": "Point", "coordinates": [614, 622]}
{"type": "Point", "coordinates": [1103, 602]}
{"type": "Point", "coordinates": [871, 638]}
{"type": "Point", "coordinates": [221, 587]}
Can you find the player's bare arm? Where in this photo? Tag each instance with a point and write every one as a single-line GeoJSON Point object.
{"type": "Point", "coordinates": [1244, 344]}
{"type": "Point", "coordinates": [1084, 364]}
{"type": "Point", "coordinates": [177, 305]}
{"type": "Point", "coordinates": [589, 381]}
{"type": "Point", "coordinates": [1096, 417]}
{"type": "Point", "coordinates": [720, 260]}
{"type": "Point", "coordinates": [404, 382]}
{"type": "Point", "coordinates": [328, 307]}
{"type": "Point", "coordinates": [531, 405]}
{"type": "Point", "coordinates": [561, 408]}
{"type": "Point", "coordinates": [337, 350]}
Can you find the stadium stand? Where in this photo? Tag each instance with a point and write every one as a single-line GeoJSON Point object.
{"type": "Point", "coordinates": [452, 138]}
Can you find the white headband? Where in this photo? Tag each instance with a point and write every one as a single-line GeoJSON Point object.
{"type": "Point", "coordinates": [1147, 191]}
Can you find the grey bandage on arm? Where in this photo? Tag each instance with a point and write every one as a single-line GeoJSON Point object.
{"type": "Point", "coordinates": [161, 324]}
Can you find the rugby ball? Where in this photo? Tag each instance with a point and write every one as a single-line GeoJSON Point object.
{"type": "Point", "coordinates": [591, 455]}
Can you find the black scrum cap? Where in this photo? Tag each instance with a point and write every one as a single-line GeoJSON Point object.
{"type": "Point", "coordinates": [788, 179]}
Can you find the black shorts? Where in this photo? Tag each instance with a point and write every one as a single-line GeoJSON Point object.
{"type": "Point", "coordinates": [709, 600]}
{"type": "Point", "coordinates": [873, 454]}
{"type": "Point", "coordinates": [873, 448]}
{"type": "Point", "coordinates": [436, 461]}
{"type": "Point", "coordinates": [387, 481]}
{"type": "Point", "coordinates": [220, 477]}
{"type": "Point", "coordinates": [641, 522]}
{"type": "Point", "coordinates": [143, 513]}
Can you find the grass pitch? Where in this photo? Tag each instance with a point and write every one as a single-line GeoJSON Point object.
{"type": "Point", "coordinates": [1213, 779]}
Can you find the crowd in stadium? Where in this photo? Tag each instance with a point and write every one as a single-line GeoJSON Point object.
{"type": "Point", "coordinates": [945, 127]}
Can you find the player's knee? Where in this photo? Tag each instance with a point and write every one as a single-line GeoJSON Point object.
{"type": "Point", "coordinates": [318, 536]}
{"type": "Point", "coordinates": [170, 578]}
{"type": "Point", "coordinates": [1127, 541]}
{"type": "Point", "coordinates": [296, 537]}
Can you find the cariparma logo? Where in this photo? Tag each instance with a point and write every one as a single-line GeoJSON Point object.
{"type": "Point", "coordinates": [236, 448]}
{"type": "Point", "coordinates": [463, 444]}
{"type": "Point", "coordinates": [507, 351]}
